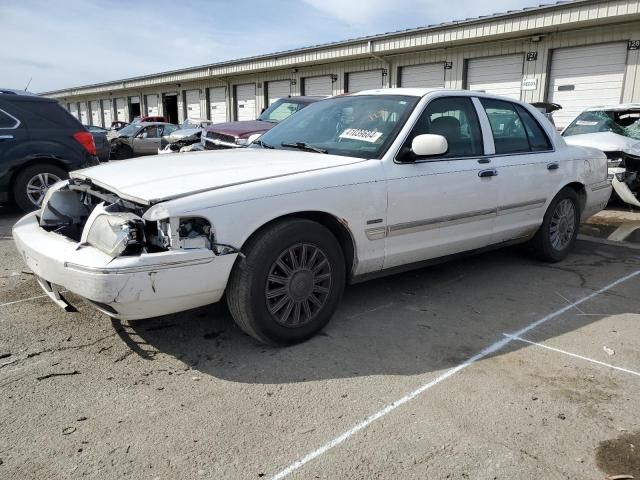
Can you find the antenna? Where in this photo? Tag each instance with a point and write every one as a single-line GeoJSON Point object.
{"type": "Point", "coordinates": [28, 83]}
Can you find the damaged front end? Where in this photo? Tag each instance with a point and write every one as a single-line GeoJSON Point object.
{"type": "Point", "coordinates": [624, 174]}
{"type": "Point", "coordinates": [90, 215]}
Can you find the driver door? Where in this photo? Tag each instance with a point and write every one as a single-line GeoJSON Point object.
{"type": "Point", "coordinates": [444, 205]}
{"type": "Point", "coordinates": [147, 141]}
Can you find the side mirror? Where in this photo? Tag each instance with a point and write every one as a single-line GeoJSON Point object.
{"type": "Point", "coordinates": [429, 145]}
{"type": "Point", "coordinates": [253, 138]}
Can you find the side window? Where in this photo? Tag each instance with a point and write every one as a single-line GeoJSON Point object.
{"type": "Point", "coordinates": [537, 138]}
{"type": "Point", "coordinates": [7, 121]}
{"type": "Point", "coordinates": [509, 134]}
{"type": "Point", "coordinates": [455, 119]}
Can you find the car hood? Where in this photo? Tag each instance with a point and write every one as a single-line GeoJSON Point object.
{"type": "Point", "coordinates": [184, 132]}
{"type": "Point", "coordinates": [241, 129]}
{"type": "Point", "coordinates": [606, 141]}
{"type": "Point", "coordinates": [154, 179]}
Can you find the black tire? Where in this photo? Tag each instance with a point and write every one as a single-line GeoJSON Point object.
{"type": "Point", "coordinates": [542, 245]}
{"type": "Point", "coordinates": [249, 287]}
{"type": "Point", "coordinates": [122, 152]}
{"type": "Point", "coordinates": [28, 179]}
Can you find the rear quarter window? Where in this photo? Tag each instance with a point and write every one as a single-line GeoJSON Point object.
{"type": "Point", "coordinates": [7, 121]}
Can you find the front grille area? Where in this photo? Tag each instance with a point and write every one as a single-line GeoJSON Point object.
{"type": "Point", "coordinates": [221, 136]}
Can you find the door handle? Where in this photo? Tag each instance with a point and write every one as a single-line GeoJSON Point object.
{"type": "Point", "coordinates": [484, 160]}
{"type": "Point", "coordinates": [6, 138]}
{"type": "Point", "coordinates": [491, 172]}
{"type": "Point", "coordinates": [553, 166]}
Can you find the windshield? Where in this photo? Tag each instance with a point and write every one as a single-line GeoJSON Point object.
{"type": "Point", "coordinates": [281, 109]}
{"type": "Point", "coordinates": [129, 130]}
{"type": "Point", "coordinates": [360, 126]}
{"type": "Point", "coordinates": [623, 122]}
{"type": "Point", "coordinates": [192, 123]}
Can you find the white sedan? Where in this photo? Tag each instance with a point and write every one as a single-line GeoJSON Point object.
{"type": "Point", "coordinates": [348, 188]}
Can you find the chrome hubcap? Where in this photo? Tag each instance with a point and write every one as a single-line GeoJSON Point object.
{"type": "Point", "coordinates": [38, 185]}
{"type": "Point", "coordinates": [563, 225]}
{"type": "Point", "coordinates": [298, 285]}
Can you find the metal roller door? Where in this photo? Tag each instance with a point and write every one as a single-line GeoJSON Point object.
{"type": "Point", "coordinates": [218, 104]}
{"type": "Point", "coordinates": [422, 76]}
{"type": "Point", "coordinates": [73, 109]}
{"type": "Point", "coordinates": [192, 99]}
{"type": "Point", "coordinates": [106, 113]}
{"type": "Point", "coordinates": [498, 75]}
{"type": "Point", "coordinates": [95, 113]}
{"type": "Point", "coordinates": [582, 77]}
{"type": "Point", "coordinates": [121, 109]}
{"type": "Point", "coordinates": [358, 81]}
{"type": "Point", "coordinates": [278, 89]}
{"type": "Point", "coordinates": [83, 113]}
{"type": "Point", "coordinates": [317, 86]}
{"type": "Point", "coordinates": [152, 105]}
{"type": "Point", "coordinates": [246, 102]}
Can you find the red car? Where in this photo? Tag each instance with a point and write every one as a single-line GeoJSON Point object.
{"type": "Point", "coordinates": [150, 118]}
{"type": "Point", "coordinates": [236, 134]}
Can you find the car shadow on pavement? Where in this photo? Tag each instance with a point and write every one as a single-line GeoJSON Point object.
{"type": "Point", "coordinates": [407, 324]}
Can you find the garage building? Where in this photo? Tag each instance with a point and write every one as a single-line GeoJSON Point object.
{"type": "Point", "coordinates": [576, 53]}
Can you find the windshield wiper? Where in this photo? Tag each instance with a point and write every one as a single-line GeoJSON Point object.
{"type": "Point", "coordinates": [263, 145]}
{"type": "Point", "coordinates": [304, 146]}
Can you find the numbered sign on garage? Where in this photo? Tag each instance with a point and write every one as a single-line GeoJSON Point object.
{"type": "Point", "coordinates": [317, 86]}
{"type": "Point", "coordinates": [218, 104]}
{"type": "Point", "coordinates": [246, 102]}
{"type": "Point", "coordinates": [192, 98]}
{"type": "Point", "coordinates": [106, 113]}
{"type": "Point", "coordinates": [422, 76]}
{"type": "Point", "coordinates": [83, 113]}
{"type": "Point", "coordinates": [583, 77]}
{"type": "Point", "coordinates": [152, 105]}
{"type": "Point", "coordinates": [369, 80]}
{"type": "Point", "coordinates": [277, 89]}
{"type": "Point", "coordinates": [499, 75]}
{"type": "Point", "coordinates": [121, 111]}
{"type": "Point", "coordinates": [95, 112]}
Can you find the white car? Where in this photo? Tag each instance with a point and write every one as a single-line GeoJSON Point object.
{"type": "Point", "coordinates": [349, 188]}
{"type": "Point", "coordinates": [616, 131]}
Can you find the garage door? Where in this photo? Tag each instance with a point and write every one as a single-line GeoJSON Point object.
{"type": "Point", "coordinates": [278, 89]}
{"type": "Point", "coordinates": [106, 113]}
{"type": "Point", "coordinates": [152, 105]}
{"type": "Point", "coordinates": [83, 114]}
{"type": "Point", "coordinates": [582, 77]}
{"type": "Point", "coordinates": [218, 104]}
{"type": "Point", "coordinates": [498, 75]}
{"type": "Point", "coordinates": [358, 81]}
{"type": "Point", "coordinates": [192, 98]}
{"type": "Point", "coordinates": [73, 109]}
{"type": "Point", "coordinates": [317, 86]}
{"type": "Point", "coordinates": [246, 102]}
{"type": "Point", "coordinates": [422, 76]}
{"type": "Point", "coordinates": [120, 109]}
{"type": "Point", "coordinates": [95, 112]}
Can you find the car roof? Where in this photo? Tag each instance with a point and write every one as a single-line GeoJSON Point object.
{"type": "Point", "coordinates": [149, 124]}
{"type": "Point", "coordinates": [12, 91]}
{"type": "Point", "coordinates": [421, 92]}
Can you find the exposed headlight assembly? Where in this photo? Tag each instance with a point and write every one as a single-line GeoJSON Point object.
{"type": "Point", "coordinates": [115, 233]}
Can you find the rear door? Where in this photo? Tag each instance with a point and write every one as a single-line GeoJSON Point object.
{"type": "Point", "coordinates": [12, 133]}
{"type": "Point", "coordinates": [529, 170]}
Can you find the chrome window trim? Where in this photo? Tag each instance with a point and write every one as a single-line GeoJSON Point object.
{"type": "Point", "coordinates": [18, 122]}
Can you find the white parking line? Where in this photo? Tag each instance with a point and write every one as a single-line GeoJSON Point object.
{"type": "Point", "coordinates": [487, 351]}
{"type": "Point", "coordinates": [22, 300]}
{"type": "Point", "coordinates": [597, 362]}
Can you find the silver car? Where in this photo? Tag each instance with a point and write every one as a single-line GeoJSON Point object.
{"type": "Point", "coordinates": [140, 139]}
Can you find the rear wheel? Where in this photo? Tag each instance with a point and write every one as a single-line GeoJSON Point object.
{"type": "Point", "coordinates": [290, 283]}
{"type": "Point", "coordinates": [32, 184]}
{"type": "Point", "coordinates": [122, 152]}
{"type": "Point", "coordinates": [559, 229]}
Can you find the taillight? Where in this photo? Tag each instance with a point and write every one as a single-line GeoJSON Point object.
{"type": "Point", "coordinates": [86, 140]}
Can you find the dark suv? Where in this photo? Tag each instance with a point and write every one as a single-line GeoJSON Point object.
{"type": "Point", "coordinates": [40, 142]}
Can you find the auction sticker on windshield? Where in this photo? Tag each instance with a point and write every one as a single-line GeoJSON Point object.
{"type": "Point", "coordinates": [361, 134]}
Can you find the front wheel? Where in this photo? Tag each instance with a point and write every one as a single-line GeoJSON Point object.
{"type": "Point", "coordinates": [559, 229]}
{"type": "Point", "coordinates": [290, 283]}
